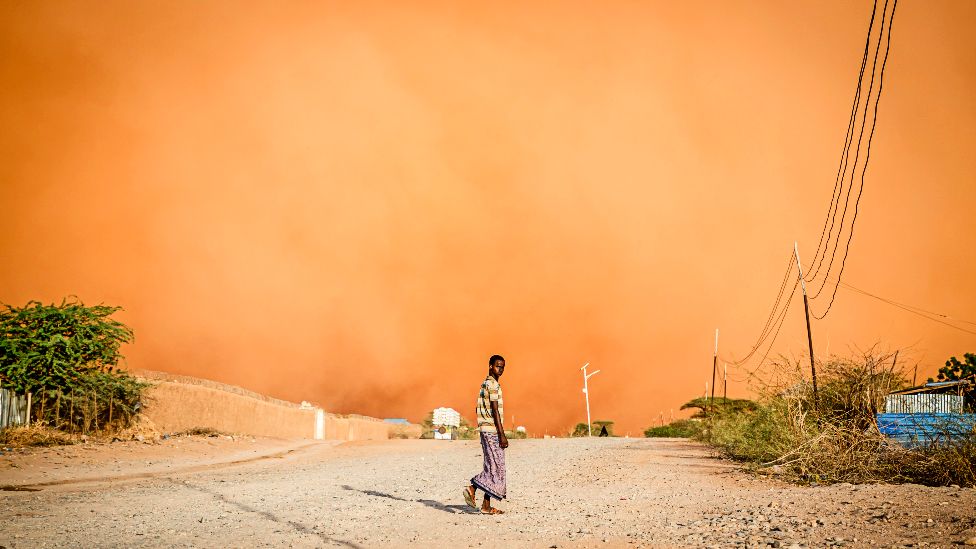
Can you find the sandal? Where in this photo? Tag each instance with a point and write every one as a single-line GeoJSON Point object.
{"type": "Point", "coordinates": [469, 497]}
{"type": "Point", "coordinates": [492, 511]}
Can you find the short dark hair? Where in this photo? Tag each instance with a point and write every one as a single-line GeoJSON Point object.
{"type": "Point", "coordinates": [494, 358]}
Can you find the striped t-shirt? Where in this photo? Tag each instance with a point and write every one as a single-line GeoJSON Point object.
{"type": "Point", "coordinates": [490, 391]}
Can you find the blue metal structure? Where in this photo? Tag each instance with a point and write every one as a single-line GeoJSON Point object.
{"type": "Point", "coordinates": [928, 414]}
{"type": "Point", "coordinates": [911, 430]}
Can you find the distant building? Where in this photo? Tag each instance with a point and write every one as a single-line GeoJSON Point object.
{"type": "Point", "coordinates": [446, 422]}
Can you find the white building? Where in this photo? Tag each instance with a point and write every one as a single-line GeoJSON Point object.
{"type": "Point", "coordinates": [446, 421]}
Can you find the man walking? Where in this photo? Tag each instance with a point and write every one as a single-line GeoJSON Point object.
{"type": "Point", "coordinates": [491, 480]}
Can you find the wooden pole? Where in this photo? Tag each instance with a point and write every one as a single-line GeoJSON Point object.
{"type": "Point", "coordinates": [806, 310]}
{"type": "Point", "coordinates": [725, 381]}
{"type": "Point", "coordinates": [714, 368]}
{"type": "Point", "coordinates": [705, 398]}
{"type": "Point", "coordinates": [29, 395]}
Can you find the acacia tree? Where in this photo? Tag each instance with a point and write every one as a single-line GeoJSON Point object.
{"type": "Point", "coordinates": [53, 346]}
{"type": "Point", "coordinates": [955, 370]}
{"type": "Point", "coordinates": [67, 354]}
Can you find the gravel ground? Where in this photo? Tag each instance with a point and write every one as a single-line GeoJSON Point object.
{"type": "Point", "coordinates": [562, 493]}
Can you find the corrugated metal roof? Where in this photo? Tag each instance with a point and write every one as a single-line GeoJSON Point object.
{"type": "Point", "coordinates": [935, 386]}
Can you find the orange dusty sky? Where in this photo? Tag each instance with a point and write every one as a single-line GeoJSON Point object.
{"type": "Point", "coordinates": [357, 203]}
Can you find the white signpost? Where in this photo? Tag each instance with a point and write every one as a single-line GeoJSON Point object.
{"type": "Point", "coordinates": [586, 387]}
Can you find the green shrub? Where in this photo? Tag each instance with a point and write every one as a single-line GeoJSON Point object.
{"type": "Point", "coordinates": [683, 428]}
{"type": "Point", "coordinates": [581, 431]}
{"type": "Point", "coordinates": [66, 356]}
{"type": "Point", "coordinates": [717, 406]}
{"type": "Point", "coordinates": [757, 435]}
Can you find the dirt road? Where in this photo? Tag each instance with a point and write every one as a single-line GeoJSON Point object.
{"type": "Point", "coordinates": [562, 493]}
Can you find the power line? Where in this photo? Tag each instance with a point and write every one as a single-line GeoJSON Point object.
{"type": "Point", "coordinates": [780, 320]}
{"type": "Point", "coordinates": [857, 153]}
{"type": "Point", "coordinates": [845, 154]}
{"type": "Point", "coordinates": [774, 321]}
{"type": "Point", "coordinates": [867, 158]}
{"type": "Point", "coordinates": [764, 333]}
{"type": "Point", "coordinates": [915, 310]}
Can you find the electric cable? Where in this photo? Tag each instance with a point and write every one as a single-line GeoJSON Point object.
{"type": "Point", "coordinates": [845, 154]}
{"type": "Point", "coordinates": [867, 159]}
{"type": "Point", "coordinates": [915, 310]}
{"type": "Point", "coordinates": [779, 326]}
{"type": "Point", "coordinates": [857, 152]}
{"type": "Point", "coordinates": [764, 333]}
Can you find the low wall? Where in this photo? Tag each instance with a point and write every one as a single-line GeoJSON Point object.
{"type": "Point", "coordinates": [408, 430]}
{"type": "Point", "coordinates": [355, 428]}
{"type": "Point", "coordinates": [178, 403]}
{"type": "Point", "coordinates": [173, 407]}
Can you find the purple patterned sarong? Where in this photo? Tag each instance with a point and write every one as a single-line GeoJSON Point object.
{"type": "Point", "coordinates": [492, 478]}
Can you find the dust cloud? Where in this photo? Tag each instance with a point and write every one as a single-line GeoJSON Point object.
{"type": "Point", "coordinates": [358, 203]}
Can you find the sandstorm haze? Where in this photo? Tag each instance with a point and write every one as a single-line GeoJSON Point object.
{"type": "Point", "coordinates": [356, 204]}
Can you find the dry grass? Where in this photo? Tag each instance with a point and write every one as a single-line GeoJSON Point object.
{"type": "Point", "coordinates": [835, 438]}
{"type": "Point", "coordinates": [200, 432]}
{"type": "Point", "coordinates": [34, 435]}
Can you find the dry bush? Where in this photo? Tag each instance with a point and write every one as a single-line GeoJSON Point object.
{"type": "Point", "coordinates": [835, 438]}
{"type": "Point", "coordinates": [34, 435]}
{"type": "Point", "coordinates": [945, 464]}
{"type": "Point", "coordinates": [200, 432]}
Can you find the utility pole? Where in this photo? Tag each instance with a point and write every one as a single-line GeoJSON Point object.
{"type": "Point", "coordinates": [714, 367]}
{"type": "Point", "coordinates": [725, 381]}
{"type": "Point", "coordinates": [806, 310]}
{"type": "Point", "coordinates": [705, 398]}
{"type": "Point", "coordinates": [586, 391]}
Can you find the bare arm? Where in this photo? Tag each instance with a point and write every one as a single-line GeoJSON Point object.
{"type": "Point", "coordinates": [502, 439]}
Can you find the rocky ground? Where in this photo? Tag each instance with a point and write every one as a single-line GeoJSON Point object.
{"type": "Point", "coordinates": [209, 492]}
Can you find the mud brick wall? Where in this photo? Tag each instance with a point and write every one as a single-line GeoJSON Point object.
{"type": "Point", "coordinates": [178, 405]}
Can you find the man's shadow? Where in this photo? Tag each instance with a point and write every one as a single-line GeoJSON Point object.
{"type": "Point", "coordinates": [453, 509]}
{"type": "Point", "coordinates": [296, 526]}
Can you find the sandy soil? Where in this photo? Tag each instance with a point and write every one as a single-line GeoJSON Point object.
{"type": "Point", "coordinates": [204, 492]}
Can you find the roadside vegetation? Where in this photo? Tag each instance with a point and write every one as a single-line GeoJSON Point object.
{"type": "Point", "coordinates": [682, 428]}
{"type": "Point", "coordinates": [66, 358]}
{"type": "Point", "coordinates": [465, 431]}
{"type": "Point", "coordinates": [596, 428]}
{"type": "Point", "coordinates": [834, 438]}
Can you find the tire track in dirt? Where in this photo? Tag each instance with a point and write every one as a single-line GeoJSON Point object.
{"type": "Point", "coordinates": [112, 479]}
